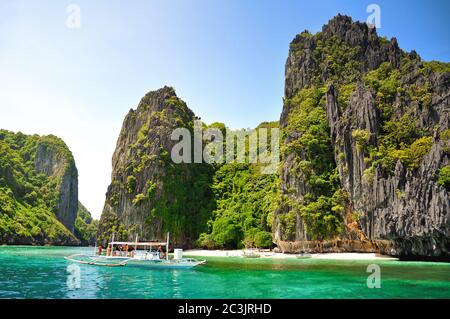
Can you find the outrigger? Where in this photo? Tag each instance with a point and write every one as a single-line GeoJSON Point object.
{"type": "Point", "coordinates": [137, 254]}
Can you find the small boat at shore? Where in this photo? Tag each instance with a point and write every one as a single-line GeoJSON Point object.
{"type": "Point", "coordinates": [303, 256]}
{"type": "Point", "coordinates": [250, 254]}
{"type": "Point", "coordinates": [137, 254]}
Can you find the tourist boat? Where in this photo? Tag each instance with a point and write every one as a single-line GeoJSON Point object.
{"type": "Point", "coordinates": [137, 254]}
{"type": "Point", "coordinates": [250, 254]}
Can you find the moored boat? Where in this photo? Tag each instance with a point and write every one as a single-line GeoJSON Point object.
{"type": "Point", "coordinates": [303, 255]}
{"type": "Point", "coordinates": [250, 254]}
{"type": "Point", "coordinates": [137, 254]}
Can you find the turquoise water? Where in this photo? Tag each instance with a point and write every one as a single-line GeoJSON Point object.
{"type": "Point", "coordinates": [41, 272]}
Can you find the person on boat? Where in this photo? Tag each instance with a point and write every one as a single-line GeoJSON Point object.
{"type": "Point", "coordinates": [100, 249]}
{"type": "Point", "coordinates": [161, 252]}
{"type": "Point", "coordinates": [108, 250]}
{"type": "Point", "coordinates": [131, 251]}
{"type": "Point", "coordinates": [126, 249]}
{"type": "Point", "coordinates": [118, 252]}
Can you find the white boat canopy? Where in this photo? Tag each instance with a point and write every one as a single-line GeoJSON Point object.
{"type": "Point", "coordinates": [136, 244]}
{"type": "Point", "coordinates": [132, 243]}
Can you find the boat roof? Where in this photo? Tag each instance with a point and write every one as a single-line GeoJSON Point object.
{"type": "Point", "coordinates": [133, 243]}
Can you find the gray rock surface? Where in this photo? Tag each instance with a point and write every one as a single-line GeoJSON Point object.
{"type": "Point", "coordinates": [408, 208]}
{"type": "Point", "coordinates": [50, 161]}
{"type": "Point", "coordinates": [142, 159]}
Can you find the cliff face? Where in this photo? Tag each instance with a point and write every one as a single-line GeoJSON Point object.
{"type": "Point", "coordinates": [386, 115]}
{"type": "Point", "coordinates": [56, 162]}
{"type": "Point", "coordinates": [149, 195]}
{"type": "Point", "coordinates": [38, 190]}
{"type": "Point", "coordinates": [406, 206]}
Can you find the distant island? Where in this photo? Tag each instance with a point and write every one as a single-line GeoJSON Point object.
{"type": "Point", "coordinates": [364, 164]}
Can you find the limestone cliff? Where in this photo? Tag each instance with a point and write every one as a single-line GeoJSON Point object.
{"type": "Point", "coordinates": [38, 190]}
{"type": "Point", "coordinates": [55, 161]}
{"type": "Point", "coordinates": [149, 195]}
{"type": "Point", "coordinates": [383, 117]}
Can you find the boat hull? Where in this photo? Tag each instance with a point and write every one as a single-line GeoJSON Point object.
{"type": "Point", "coordinates": [135, 262]}
{"type": "Point", "coordinates": [152, 264]}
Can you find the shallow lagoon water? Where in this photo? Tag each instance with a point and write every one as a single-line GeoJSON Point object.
{"type": "Point", "coordinates": [41, 272]}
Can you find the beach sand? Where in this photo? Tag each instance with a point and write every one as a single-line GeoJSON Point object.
{"type": "Point", "coordinates": [266, 254]}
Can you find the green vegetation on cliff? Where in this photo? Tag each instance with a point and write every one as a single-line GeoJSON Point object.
{"type": "Point", "coordinates": [401, 137]}
{"type": "Point", "coordinates": [185, 202]}
{"type": "Point", "coordinates": [312, 152]}
{"type": "Point", "coordinates": [444, 177]}
{"type": "Point", "coordinates": [85, 228]}
{"type": "Point", "coordinates": [245, 201]}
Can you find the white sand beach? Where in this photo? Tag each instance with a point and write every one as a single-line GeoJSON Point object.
{"type": "Point", "coordinates": [267, 254]}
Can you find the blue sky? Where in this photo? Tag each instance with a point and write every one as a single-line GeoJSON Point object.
{"type": "Point", "coordinates": [224, 58]}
